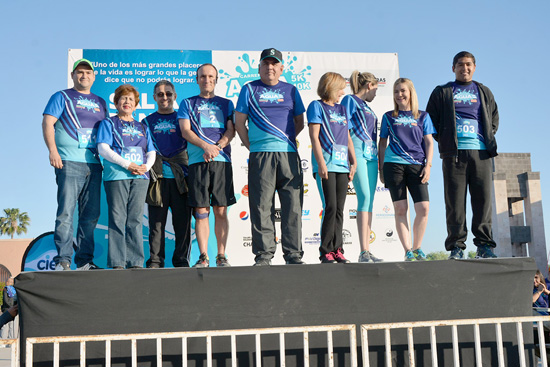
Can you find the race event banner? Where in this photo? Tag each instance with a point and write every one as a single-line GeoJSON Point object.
{"type": "Point", "coordinates": [144, 68]}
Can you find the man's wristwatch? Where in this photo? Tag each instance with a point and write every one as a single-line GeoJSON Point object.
{"type": "Point", "coordinates": [219, 145]}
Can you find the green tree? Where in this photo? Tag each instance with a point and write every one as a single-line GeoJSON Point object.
{"type": "Point", "coordinates": [438, 255]}
{"type": "Point", "coordinates": [14, 222]}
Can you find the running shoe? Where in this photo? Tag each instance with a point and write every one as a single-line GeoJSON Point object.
{"type": "Point", "coordinates": [367, 257]}
{"type": "Point", "coordinates": [202, 262]}
{"type": "Point", "coordinates": [485, 252]}
{"type": "Point", "coordinates": [456, 254]}
{"type": "Point", "coordinates": [339, 257]}
{"type": "Point", "coordinates": [221, 261]}
{"type": "Point", "coordinates": [328, 258]}
{"type": "Point", "coordinates": [409, 256]}
{"type": "Point", "coordinates": [62, 265]}
{"type": "Point", "coordinates": [419, 255]}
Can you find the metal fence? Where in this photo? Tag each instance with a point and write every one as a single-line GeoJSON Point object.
{"type": "Point", "coordinates": [475, 323]}
{"type": "Point", "coordinates": [208, 335]}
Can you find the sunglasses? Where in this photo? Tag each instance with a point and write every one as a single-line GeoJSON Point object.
{"type": "Point", "coordinates": [168, 94]}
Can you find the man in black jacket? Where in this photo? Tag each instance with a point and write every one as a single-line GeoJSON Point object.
{"type": "Point", "coordinates": [465, 115]}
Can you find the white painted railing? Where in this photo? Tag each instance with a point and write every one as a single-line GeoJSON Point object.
{"type": "Point", "coordinates": [433, 325]}
{"type": "Point", "coordinates": [14, 355]}
{"type": "Point", "coordinates": [208, 335]}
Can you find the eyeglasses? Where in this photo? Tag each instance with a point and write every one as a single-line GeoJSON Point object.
{"type": "Point", "coordinates": [168, 94]}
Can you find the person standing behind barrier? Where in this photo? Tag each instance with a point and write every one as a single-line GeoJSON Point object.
{"type": "Point", "coordinates": [206, 122]}
{"type": "Point", "coordinates": [69, 126]}
{"type": "Point", "coordinates": [128, 152]}
{"type": "Point", "coordinates": [275, 114]}
{"type": "Point", "coordinates": [364, 132]}
{"type": "Point", "coordinates": [10, 330]}
{"type": "Point", "coordinates": [465, 115]}
{"type": "Point", "coordinates": [333, 159]}
{"type": "Point", "coordinates": [406, 163]}
{"type": "Point", "coordinates": [168, 186]}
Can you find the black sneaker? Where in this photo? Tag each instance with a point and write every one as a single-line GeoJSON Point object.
{"type": "Point", "coordinates": [262, 262]}
{"type": "Point", "coordinates": [294, 260]}
{"type": "Point", "coordinates": [202, 262]}
{"type": "Point", "coordinates": [485, 252]}
{"type": "Point", "coordinates": [221, 261]}
{"type": "Point", "coordinates": [456, 254]}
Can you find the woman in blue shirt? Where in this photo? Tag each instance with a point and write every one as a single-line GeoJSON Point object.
{"type": "Point", "coordinates": [364, 125]}
{"type": "Point", "coordinates": [128, 152]}
{"type": "Point", "coordinates": [406, 163]}
{"type": "Point", "coordinates": [333, 159]}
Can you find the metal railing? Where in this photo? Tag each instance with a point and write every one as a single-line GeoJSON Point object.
{"type": "Point", "coordinates": [208, 335]}
{"type": "Point", "coordinates": [14, 355]}
{"type": "Point", "coordinates": [432, 325]}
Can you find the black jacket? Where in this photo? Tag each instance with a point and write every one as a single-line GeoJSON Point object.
{"type": "Point", "coordinates": [442, 112]}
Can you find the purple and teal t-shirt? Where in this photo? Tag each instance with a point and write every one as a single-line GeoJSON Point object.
{"type": "Point", "coordinates": [406, 136]}
{"type": "Point", "coordinates": [78, 116]}
{"type": "Point", "coordinates": [364, 125]}
{"type": "Point", "coordinates": [333, 135]}
{"type": "Point", "coordinates": [469, 131]}
{"type": "Point", "coordinates": [166, 137]}
{"type": "Point", "coordinates": [130, 139]}
{"type": "Point", "coordinates": [271, 110]}
{"type": "Point", "coordinates": [209, 118]}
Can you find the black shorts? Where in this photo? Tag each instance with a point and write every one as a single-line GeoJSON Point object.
{"type": "Point", "coordinates": [400, 177]}
{"type": "Point", "coordinates": [211, 184]}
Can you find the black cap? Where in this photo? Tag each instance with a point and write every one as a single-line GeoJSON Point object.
{"type": "Point", "coordinates": [272, 52]}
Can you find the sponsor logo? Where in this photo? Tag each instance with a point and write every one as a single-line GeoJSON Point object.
{"type": "Point", "coordinates": [247, 241]}
{"type": "Point", "coordinates": [381, 82]}
{"type": "Point", "coordinates": [321, 214]}
{"type": "Point", "coordinates": [277, 214]}
{"type": "Point", "coordinates": [389, 232]}
{"type": "Point", "coordinates": [247, 71]}
{"type": "Point", "coordinates": [386, 209]}
{"type": "Point", "coordinates": [271, 96]}
{"type": "Point", "coordinates": [381, 189]}
{"type": "Point", "coordinates": [305, 165]}
{"type": "Point", "coordinates": [372, 237]}
{"type": "Point", "coordinates": [352, 213]}
{"type": "Point", "coordinates": [346, 237]}
{"type": "Point", "coordinates": [245, 168]}
{"type": "Point", "coordinates": [405, 121]}
{"type": "Point", "coordinates": [336, 118]}
{"type": "Point", "coordinates": [306, 188]}
{"type": "Point", "coordinates": [305, 214]}
{"type": "Point", "coordinates": [244, 191]}
{"type": "Point", "coordinates": [465, 96]}
{"type": "Point", "coordinates": [42, 263]}
{"type": "Point", "coordinates": [313, 240]}
{"type": "Point", "coordinates": [131, 131]}
{"type": "Point", "coordinates": [351, 190]}
{"type": "Point", "coordinates": [243, 215]}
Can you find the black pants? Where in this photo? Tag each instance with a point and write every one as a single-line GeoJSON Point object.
{"type": "Point", "coordinates": [334, 192]}
{"type": "Point", "coordinates": [472, 170]}
{"type": "Point", "coordinates": [181, 221]}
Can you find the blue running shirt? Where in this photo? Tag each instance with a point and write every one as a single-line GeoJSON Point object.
{"type": "Point", "coordinates": [364, 124]}
{"type": "Point", "coordinates": [333, 135]}
{"type": "Point", "coordinates": [271, 111]}
{"type": "Point", "coordinates": [78, 116]}
{"type": "Point", "coordinates": [209, 118]}
{"type": "Point", "coordinates": [469, 131]}
{"type": "Point", "coordinates": [406, 136]}
{"type": "Point", "coordinates": [130, 139]}
{"type": "Point", "coordinates": [166, 137]}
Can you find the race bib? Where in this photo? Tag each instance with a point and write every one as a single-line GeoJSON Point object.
{"type": "Point", "coordinates": [340, 155]}
{"type": "Point", "coordinates": [212, 119]}
{"type": "Point", "coordinates": [86, 138]}
{"type": "Point", "coordinates": [133, 154]}
{"type": "Point", "coordinates": [369, 150]}
{"type": "Point", "coordinates": [466, 128]}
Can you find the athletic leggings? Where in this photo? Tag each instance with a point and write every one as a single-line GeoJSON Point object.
{"type": "Point", "coordinates": [364, 182]}
{"type": "Point", "coordinates": [333, 194]}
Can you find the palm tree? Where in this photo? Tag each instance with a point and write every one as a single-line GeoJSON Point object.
{"type": "Point", "coordinates": [14, 222]}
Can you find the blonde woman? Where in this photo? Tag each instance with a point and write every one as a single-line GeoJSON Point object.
{"type": "Point", "coordinates": [406, 163]}
{"type": "Point", "coordinates": [333, 159]}
{"type": "Point", "coordinates": [364, 125]}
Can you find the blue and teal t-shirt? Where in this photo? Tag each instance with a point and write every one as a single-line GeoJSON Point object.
{"type": "Point", "coordinates": [130, 139]}
{"type": "Point", "coordinates": [469, 131]}
{"type": "Point", "coordinates": [333, 135]}
{"type": "Point", "coordinates": [78, 116]}
{"type": "Point", "coordinates": [406, 136]}
{"type": "Point", "coordinates": [166, 137]}
{"type": "Point", "coordinates": [271, 110]}
{"type": "Point", "coordinates": [364, 125]}
{"type": "Point", "coordinates": [209, 118]}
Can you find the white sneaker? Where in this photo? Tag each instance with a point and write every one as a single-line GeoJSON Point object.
{"type": "Point", "coordinates": [62, 265]}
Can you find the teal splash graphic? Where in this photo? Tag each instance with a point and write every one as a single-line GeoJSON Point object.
{"type": "Point", "coordinates": [85, 103]}
{"type": "Point", "coordinates": [337, 118]}
{"type": "Point", "coordinates": [131, 131]}
{"type": "Point", "coordinates": [248, 72]}
{"type": "Point", "coordinates": [465, 96]}
{"type": "Point", "coordinates": [208, 106]}
{"type": "Point", "coordinates": [405, 121]}
{"type": "Point", "coordinates": [271, 95]}
{"type": "Point", "coordinates": [164, 127]}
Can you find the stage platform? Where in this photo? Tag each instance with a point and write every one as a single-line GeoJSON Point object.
{"type": "Point", "coordinates": [164, 300]}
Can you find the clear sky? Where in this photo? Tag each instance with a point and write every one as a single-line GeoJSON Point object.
{"type": "Point", "coordinates": [509, 40]}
